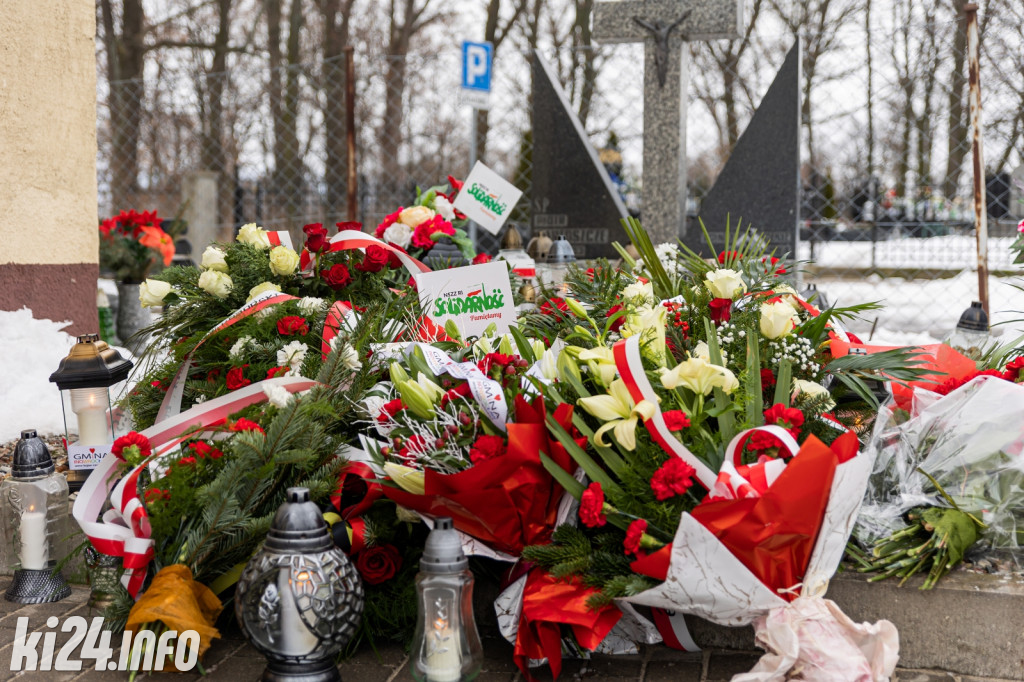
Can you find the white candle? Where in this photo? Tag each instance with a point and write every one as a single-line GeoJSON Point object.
{"type": "Point", "coordinates": [90, 407]}
{"type": "Point", "coordinates": [444, 659]}
{"type": "Point", "coordinates": [296, 638]}
{"type": "Point", "coordinates": [34, 548]}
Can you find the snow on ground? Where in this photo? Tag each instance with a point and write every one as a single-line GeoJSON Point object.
{"type": "Point", "coordinates": [32, 350]}
{"type": "Point", "coordinates": [952, 252]}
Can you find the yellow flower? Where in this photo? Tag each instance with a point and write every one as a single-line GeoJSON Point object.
{"type": "Point", "coordinates": [414, 215]}
{"type": "Point", "coordinates": [260, 288]}
{"type": "Point", "coordinates": [777, 319]}
{"type": "Point", "coordinates": [152, 292]}
{"type": "Point", "coordinates": [283, 261]}
{"type": "Point", "coordinates": [619, 413]}
{"type": "Point", "coordinates": [700, 376]}
{"type": "Point", "coordinates": [406, 478]}
{"type": "Point", "coordinates": [216, 283]}
{"type": "Point", "coordinates": [649, 323]}
{"type": "Point", "coordinates": [251, 233]}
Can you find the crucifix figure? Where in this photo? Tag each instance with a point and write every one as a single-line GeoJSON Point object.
{"type": "Point", "coordinates": [663, 26]}
{"type": "Point", "coordinates": [661, 31]}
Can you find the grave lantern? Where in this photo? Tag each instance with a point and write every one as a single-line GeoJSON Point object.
{"type": "Point", "coordinates": [299, 599]}
{"type": "Point", "coordinates": [971, 334]}
{"type": "Point", "coordinates": [34, 511]}
{"type": "Point", "coordinates": [513, 253]}
{"type": "Point", "coordinates": [84, 379]}
{"type": "Point", "coordinates": [445, 646]}
{"type": "Point", "coordinates": [559, 257]}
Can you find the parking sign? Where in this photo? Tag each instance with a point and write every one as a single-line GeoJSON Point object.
{"type": "Point", "coordinates": [476, 73]}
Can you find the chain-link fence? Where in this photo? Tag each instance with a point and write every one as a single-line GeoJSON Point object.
{"type": "Point", "coordinates": [886, 164]}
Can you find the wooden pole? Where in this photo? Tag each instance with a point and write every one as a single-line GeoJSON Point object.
{"type": "Point", "coordinates": [980, 210]}
{"type": "Point", "coordinates": [351, 201]}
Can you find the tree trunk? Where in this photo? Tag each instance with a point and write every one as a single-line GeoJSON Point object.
{"type": "Point", "coordinates": [125, 71]}
{"type": "Point", "coordinates": [336, 16]}
{"type": "Point", "coordinates": [958, 141]}
{"type": "Point", "coordinates": [213, 154]}
{"type": "Point", "coordinates": [584, 11]}
{"type": "Point", "coordinates": [284, 98]}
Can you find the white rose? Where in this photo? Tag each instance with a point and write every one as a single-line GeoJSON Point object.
{"type": "Point", "coordinates": [236, 350]}
{"type": "Point", "coordinates": [812, 389]}
{"type": "Point", "coordinates": [725, 283]}
{"type": "Point", "coordinates": [398, 234]}
{"type": "Point", "coordinates": [444, 207]}
{"type": "Point", "coordinates": [251, 233]}
{"type": "Point", "coordinates": [309, 305]}
{"type": "Point", "coordinates": [213, 259]}
{"type": "Point", "coordinates": [283, 261]}
{"type": "Point", "coordinates": [777, 319]}
{"type": "Point", "coordinates": [216, 283]}
{"type": "Point", "coordinates": [414, 215]}
{"type": "Point", "coordinates": [152, 292]}
{"type": "Point", "coordinates": [261, 288]}
{"type": "Point", "coordinates": [292, 355]}
{"type": "Point", "coordinates": [277, 395]}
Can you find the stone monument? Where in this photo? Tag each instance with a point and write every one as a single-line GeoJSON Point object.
{"type": "Point", "coordinates": [572, 194]}
{"type": "Point", "coordinates": [199, 197]}
{"type": "Point", "coordinates": [663, 26]}
{"type": "Point", "coordinates": [760, 183]}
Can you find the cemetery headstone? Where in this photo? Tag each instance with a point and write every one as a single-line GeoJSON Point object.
{"type": "Point", "coordinates": [571, 193]}
{"type": "Point", "coordinates": [199, 196]}
{"type": "Point", "coordinates": [1017, 192]}
{"type": "Point", "coordinates": [663, 26]}
{"type": "Point", "coordinates": [760, 183]}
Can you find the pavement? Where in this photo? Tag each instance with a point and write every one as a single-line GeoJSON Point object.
{"type": "Point", "coordinates": [231, 659]}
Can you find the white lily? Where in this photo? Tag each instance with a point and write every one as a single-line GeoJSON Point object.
{"type": "Point", "coordinates": [601, 361]}
{"type": "Point", "coordinates": [649, 323]}
{"type": "Point", "coordinates": [619, 412]}
{"type": "Point", "coordinates": [700, 376]}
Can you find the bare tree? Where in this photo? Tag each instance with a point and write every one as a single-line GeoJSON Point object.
{"type": "Point", "coordinates": [283, 93]}
{"type": "Point", "coordinates": [337, 17]}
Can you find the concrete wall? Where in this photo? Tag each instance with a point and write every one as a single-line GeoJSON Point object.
{"type": "Point", "coordinates": [48, 237]}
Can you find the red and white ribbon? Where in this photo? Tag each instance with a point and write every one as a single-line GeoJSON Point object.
{"type": "Point", "coordinates": [280, 238]}
{"type": "Point", "coordinates": [672, 628]}
{"type": "Point", "coordinates": [631, 370]}
{"type": "Point", "coordinates": [737, 480]}
{"type": "Point", "coordinates": [171, 404]}
{"type": "Point", "coordinates": [354, 239]}
{"type": "Point", "coordinates": [124, 530]}
{"type": "Point", "coordinates": [487, 391]}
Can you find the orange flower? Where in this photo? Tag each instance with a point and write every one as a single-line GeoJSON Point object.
{"type": "Point", "coordinates": [158, 240]}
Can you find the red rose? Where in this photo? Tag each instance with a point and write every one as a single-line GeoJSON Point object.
{"type": "Point", "coordinates": [485, 448]}
{"type": "Point", "coordinates": [592, 506]}
{"type": "Point", "coordinates": [349, 225]}
{"type": "Point", "coordinates": [316, 238]}
{"type": "Point", "coordinates": [236, 379]}
{"type": "Point", "coordinates": [128, 440]}
{"type": "Point", "coordinates": [767, 378]}
{"type": "Point", "coordinates": [338, 277]}
{"type": "Point", "coordinates": [375, 259]}
{"type": "Point", "coordinates": [394, 262]}
{"type": "Point", "coordinates": [290, 325]}
{"type": "Point", "coordinates": [244, 424]}
{"type": "Point", "coordinates": [633, 535]}
{"type": "Point", "coordinates": [673, 478]}
{"type": "Point", "coordinates": [617, 324]}
{"type": "Point", "coordinates": [378, 564]}
{"type": "Point", "coordinates": [389, 220]}
{"type": "Point", "coordinates": [721, 310]}
{"type": "Point", "coordinates": [675, 420]}
{"type": "Point", "coordinates": [277, 372]}
{"type": "Point", "coordinates": [481, 258]}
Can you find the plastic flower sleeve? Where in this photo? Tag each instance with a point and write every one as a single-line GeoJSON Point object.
{"type": "Point", "coordinates": [971, 442]}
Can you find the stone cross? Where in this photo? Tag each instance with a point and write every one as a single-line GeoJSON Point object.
{"type": "Point", "coordinates": [663, 26]}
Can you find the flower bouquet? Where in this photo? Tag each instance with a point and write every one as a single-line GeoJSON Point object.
{"type": "Point", "coordinates": [431, 217]}
{"type": "Point", "coordinates": [132, 243]}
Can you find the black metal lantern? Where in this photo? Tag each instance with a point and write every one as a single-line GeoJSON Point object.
{"type": "Point", "coordinates": [34, 519]}
{"type": "Point", "coordinates": [299, 599]}
{"type": "Point", "coordinates": [84, 379]}
{"type": "Point", "coordinates": [971, 335]}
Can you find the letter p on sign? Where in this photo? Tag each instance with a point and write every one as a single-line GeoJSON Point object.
{"type": "Point", "coordinates": [476, 72]}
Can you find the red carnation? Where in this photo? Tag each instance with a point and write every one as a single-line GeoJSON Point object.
{"type": "Point", "coordinates": [633, 534]}
{"type": "Point", "coordinates": [389, 220]}
{"type": "Point", "coordinates": [292, 325]}
{"type": "Point", "coordinates": [771, 267]}
{"type": "Point", "coordinates": [760, 441]}
{"type": "Point", "coordinates": [154, 495]}
{"type": "Point", "coordinates": [189, 461]}
{"type": "Point", "coordinates": [423, 235]}
{"type": "Point", "coordinates": [553, 306]}
{"type": "Point", "coordinates": [721, 310]}
{"type": "Point", "coordinates": [592, 506]}
{"type": "Point", "coordinates": [236, 379]}
{"type": "Point", "coordinates": [481, 258]}
{"type": "Point", "coordinates": [244, 424]}
{"type": "Point", "coordinates": [673, 478]}
{"type": "Point", "coordinates": [316, 238]}
{"type": "Point", "coordinates": [375, 259]}
{"type": "Point", "coordinates": [337, 277]}
{"type": "Point", "coordinates": [767, 378]}
{"type": "Point", "coordinates": [1013, 368]}
{"type": "Point", "coordinates": [617, 324]}
{"type": "Point", "coordinates": [485, 448]}
{"type": "Point", "coordinates": [789, 418]}
{"type": "Point", "coordinates": [675, 420]}
{"type": "Point", "coordinates": [729, 255]}
{"type": "Point", "coordinates": [132, 438]}
{"type": "Point", "coordinates": [390, 409]}
{"type": "Point", "coordinates": [378, 564]}
{"type": "Point", "coordinates": [277, 372]}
